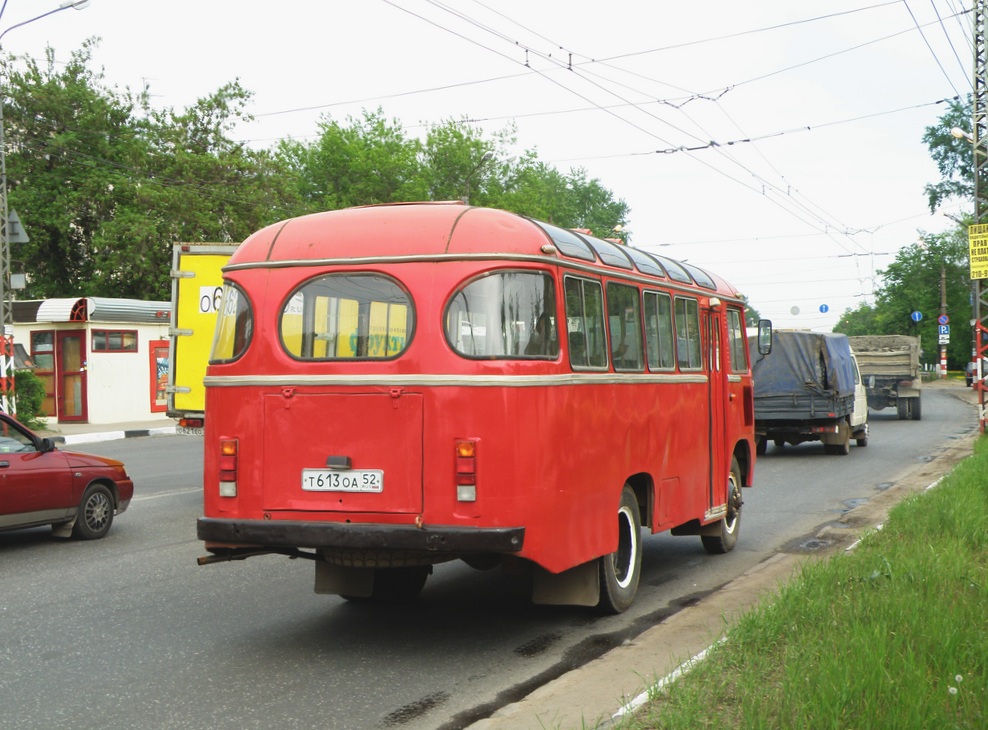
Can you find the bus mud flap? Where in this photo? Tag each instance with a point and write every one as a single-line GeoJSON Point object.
{"type": "Point", "coordinates": [579, 586]}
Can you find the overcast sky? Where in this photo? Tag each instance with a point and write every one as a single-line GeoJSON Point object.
{"type": "Point", "coordinates": [817, 109]}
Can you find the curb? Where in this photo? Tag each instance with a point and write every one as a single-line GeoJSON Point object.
{"type": "Point", "coordinates": [82, 438]}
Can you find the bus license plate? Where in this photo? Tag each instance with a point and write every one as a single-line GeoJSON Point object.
{"type": "Point", "coordinates": [351, 480]}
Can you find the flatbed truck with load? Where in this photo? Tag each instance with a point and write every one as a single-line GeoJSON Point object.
{"type": "Point", "coordinates": [808, 389]}
{"type": "Point", "coordinates": [197, 282]}
{"type": "Point", "coordinates": [891, 372]}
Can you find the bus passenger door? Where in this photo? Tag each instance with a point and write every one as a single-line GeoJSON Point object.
{"type": "Point", "coordinates": [717, 396]}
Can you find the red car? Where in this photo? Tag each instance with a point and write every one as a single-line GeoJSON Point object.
{"type": "Point", "coordinates": [77, 494]}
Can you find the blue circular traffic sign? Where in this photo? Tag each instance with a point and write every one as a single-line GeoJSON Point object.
{"type": "Point", "coordinates": [943, 319]}
{"type": "Point", "coordinates": [916, 316]}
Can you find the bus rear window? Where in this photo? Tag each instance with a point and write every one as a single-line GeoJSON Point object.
{"type": "Point", "coordinates": [347, 317]}
{"type": "Point", "coordinates": [234, 325]}
{"type": "Point", "coordinates": [504, 315]}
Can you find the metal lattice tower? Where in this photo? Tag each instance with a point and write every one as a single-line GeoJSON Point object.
{"type": "Point", "coordinates": [980, 136]}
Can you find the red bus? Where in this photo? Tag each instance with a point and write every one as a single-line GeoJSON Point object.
{"type": "Point", "coordinates": [396, 386]}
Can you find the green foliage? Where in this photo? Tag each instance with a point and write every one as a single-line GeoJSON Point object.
{"type": "Point", "coordinates": [951, 155]}
{"type": "Point", "coordinates": [366, 161]}
{"type": "Point", "coordinates": [29, 395]}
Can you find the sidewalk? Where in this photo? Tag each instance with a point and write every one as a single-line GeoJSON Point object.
{"type": "Point", "coordinates": [81, 433]}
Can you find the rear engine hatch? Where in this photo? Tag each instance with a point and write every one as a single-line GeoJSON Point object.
{"type": "Point", "coordinates": [343, 452]}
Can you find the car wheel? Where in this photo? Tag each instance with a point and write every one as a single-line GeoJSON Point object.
{"type": "Point", "coordinates": [95, 513]}
{"type": "Point", "coordinates": [621, 570]}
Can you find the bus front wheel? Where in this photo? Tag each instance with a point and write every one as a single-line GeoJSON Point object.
{"type": "Point", "coordinates": [621, 570]}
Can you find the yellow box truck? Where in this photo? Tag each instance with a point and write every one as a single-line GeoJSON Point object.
{"type": "Point", "coordinates": [197, 282]}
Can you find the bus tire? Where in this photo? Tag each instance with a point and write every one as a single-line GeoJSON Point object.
{"type": "Point", "coordinates": [730, 526]}
{"type": "Point", "coordinates": [620, 571]}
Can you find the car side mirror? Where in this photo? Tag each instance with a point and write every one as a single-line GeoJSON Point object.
{"type": "Point", "coordinates": [764, 336]}
{"type": "Point", "coordinates": [47, 445]}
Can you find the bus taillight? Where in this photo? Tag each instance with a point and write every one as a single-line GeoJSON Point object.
{"type": "Point", "coordinates": [228, 467]}
{"type": "Point", "coordinates": [466, 470]}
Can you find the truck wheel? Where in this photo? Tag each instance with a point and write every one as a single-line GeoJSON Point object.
{"type": "Point", "coordinates": [621, 570]}
{"type": "Point", "coordinates": [730, 526]}
{"type": "Point", "coordinates": [916, 410]}
{"type": "Point", "coordinates": [902, 409]}
{"type": "Point", "coordinates": [761, 446]}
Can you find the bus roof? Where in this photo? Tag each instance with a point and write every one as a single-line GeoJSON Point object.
{"type": "Point", "coordinates": [451, 229]}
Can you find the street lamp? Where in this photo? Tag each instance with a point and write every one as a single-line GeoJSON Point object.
{"type": "Point", "coordinates": [7, 234]}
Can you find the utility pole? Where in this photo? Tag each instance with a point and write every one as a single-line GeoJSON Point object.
{"type": "Point", "coordinates": [943, 313]}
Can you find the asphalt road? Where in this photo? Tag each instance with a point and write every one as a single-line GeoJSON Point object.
{"type": "Point", "coordinates": [130, 632]}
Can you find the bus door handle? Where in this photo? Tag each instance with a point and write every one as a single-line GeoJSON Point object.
{"type": "Point", "coordinates": [730, 396]}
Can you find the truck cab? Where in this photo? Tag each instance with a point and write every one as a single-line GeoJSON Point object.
{"type": "Point", "coordinates": [859, 416]}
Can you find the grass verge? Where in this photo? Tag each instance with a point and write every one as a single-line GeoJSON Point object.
{"type": "Point", "coordinates": [891, 635]}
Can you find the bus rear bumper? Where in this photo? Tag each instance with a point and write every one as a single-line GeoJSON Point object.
{"type": "Point", "coordinates": [278, 535]}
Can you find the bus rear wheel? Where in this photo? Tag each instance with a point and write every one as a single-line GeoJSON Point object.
{"type": "Point", "coordinates": [621, 570]}
{"type": "Point", "coordinates": [725, 540]}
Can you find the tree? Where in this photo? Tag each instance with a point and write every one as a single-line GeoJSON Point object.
{"type": "Point", "coordinates": [951, 155]}
{"type": "Point", "coordinates": [457, 163]}
{"type": "Point", "coordinates": [366, 161]}
{"type": "Point", "coordinates": [195, 184]}
{"type": "Point", "coordinates": [67, 155]}
{"type": "Point", "coordinates": [863, 320]}
{"type": "Point", "coordinates": [105, 184]}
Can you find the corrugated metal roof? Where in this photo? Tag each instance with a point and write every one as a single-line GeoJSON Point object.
{"type": "Point", "coordinates": [57, 310]}
{"type": "Point", "coordinates": [103, 309]}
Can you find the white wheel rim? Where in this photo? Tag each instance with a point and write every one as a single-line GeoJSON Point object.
{"type": "Point", "coordinates": [624, 570]}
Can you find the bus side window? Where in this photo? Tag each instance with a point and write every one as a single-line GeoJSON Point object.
{"type": "Point", "coordinates": [585, 317]}
{"type": "Point", "coordinates": [624, 319]}
{"type": "Point", "coordinates": [658, 331]}
{"type": "Point", "coordinates": [688, 334]}
{"type": "Point", "coordinates": [504, 315]}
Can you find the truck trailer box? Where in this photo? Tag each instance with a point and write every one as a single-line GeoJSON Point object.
{"type": "Point", "coordinates": [197, 283]}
